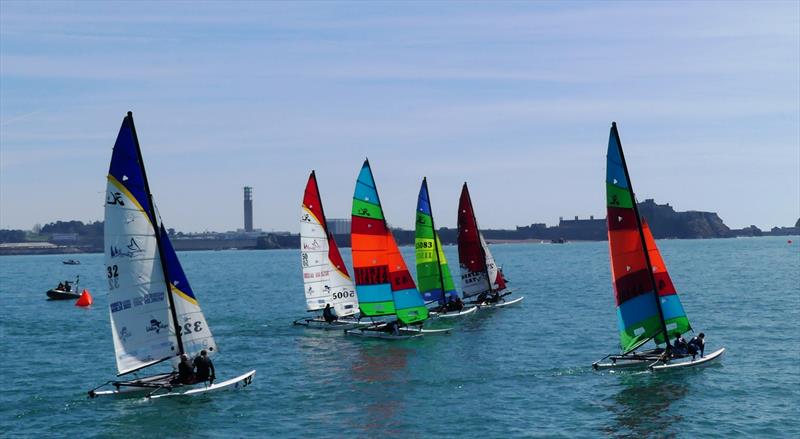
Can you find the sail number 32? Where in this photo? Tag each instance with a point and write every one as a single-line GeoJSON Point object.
{"type": "Point", "coordinates": [113, 276]}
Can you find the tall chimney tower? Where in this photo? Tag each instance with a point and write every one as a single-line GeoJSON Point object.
{"type": "Point", "coordinates": [248, 209]}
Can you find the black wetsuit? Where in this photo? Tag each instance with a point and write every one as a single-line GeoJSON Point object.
{"type": "Point", "coordinates": [328, 315]}
{"type": "Point", "coordinates": [696, 344]}
{"type": "Point", "coordinates": [680, 347]}
{"type": "Point", "coordinates": [205, 369]}
{"type": "Point", "coordinates": [185, 372]}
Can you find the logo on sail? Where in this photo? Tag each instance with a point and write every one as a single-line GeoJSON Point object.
{"type": "Point", "coordinates": [124, 334]}
{"type": "Point", "coordinates": [314, 245]}
{"type": "Point", "coordinates": [156, 326]}
{"type": "Point", "coordinates": [133, 250]}
{"type": "Point", "coordinates": [116, 198]}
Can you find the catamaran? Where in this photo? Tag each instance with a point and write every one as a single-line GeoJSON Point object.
{"type": "Point", "coordinates": [384, 286]}
{"type": "Point", "coordinates": [325, 278]}
{"type": "Point", "coordinates": [433, 274]}
{"type": "Point", "coordinates": [648, 306]}
{"type": "Point", "coordinates": [155, 315]}
{"type": "Point", "coordinates": [481, 279]}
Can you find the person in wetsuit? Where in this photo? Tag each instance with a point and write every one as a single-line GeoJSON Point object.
{"type": "Point", "coordinates": [185, 371]}
{"type": "Point", "coordinates": [205, 368]}
{"type": "Point", "coordinates": [458, 304]}
{"type": "Point", "coordinates": [679, 346]}
{"type": "Point", "coordinates": [697, 344]}
{"type": "Point", "coordinates": [328, 314]}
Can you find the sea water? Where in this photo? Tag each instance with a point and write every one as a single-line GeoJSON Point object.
{"type": "Point", "coordinates": [520, 371]}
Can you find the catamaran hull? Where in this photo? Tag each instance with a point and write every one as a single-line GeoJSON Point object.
{"type": "Point", "coordinates": [182, 390]}
{"type": "Point", "coordinates": [698, 361]}
{"type": "Point", "coordinates": [239, 382]}
{"type": "Point", "coordinates": [501, 304]}
{"type": "Point", "coordinates": [62, 295]}
{"type": "Point", "coordinates": [653, 361]}
{"type": "Point", "coordinates": [334, 326]}
{"type": "Point", "coordinates": [450, 315]}
{"type": "Point", "coordinates": [372, 333]}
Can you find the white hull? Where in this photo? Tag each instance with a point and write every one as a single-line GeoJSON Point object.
{"type": "Point", "coordinates": [181, 390]}
{"type": "Point", "coordinates": [682, 362]}
{"type": "Point", "coordinates": [651, 360]}
{"type": "Point", "coordinates": [372, 333]}
{"type": "Point", "coordinates": [501, 303]}
{"type": "Point", "coordinates": [450, 315]}
{"type": "Point", "coordinates": [338, 325]}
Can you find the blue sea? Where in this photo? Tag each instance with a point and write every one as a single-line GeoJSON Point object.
{"type": "Point", "coordinates": [521, 371]}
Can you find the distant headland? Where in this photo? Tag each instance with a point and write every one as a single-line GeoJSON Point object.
{"type": "Point", "coordinates": [665, 222]}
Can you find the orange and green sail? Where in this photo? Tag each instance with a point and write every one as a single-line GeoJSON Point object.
{"type": "Point", "coordinates": [383, 284]}
{"type": "Point", "coordinates": [433, 273]}
{"type": "Point", "coordinates": [637, 268]}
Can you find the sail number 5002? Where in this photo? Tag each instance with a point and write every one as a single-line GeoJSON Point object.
{"type": "Point", "coordinates": [344, 294]}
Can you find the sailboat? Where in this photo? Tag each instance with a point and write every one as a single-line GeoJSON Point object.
{"type": "Point", "coordinates": [155, 314]}
{"type": "Point", "coordinates": [480, 277]}
{"type": "Point", "coordinates": [433, 273]}
{"type": "Point", "coordinates": [648, 306]}
{"type": "Point", "coordinates": [384, 286]}
{"type": "Point", "coordinates": [325, 278]}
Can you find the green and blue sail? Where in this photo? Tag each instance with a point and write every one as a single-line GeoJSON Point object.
{"type": "Point", "coordinates": [433, 274]}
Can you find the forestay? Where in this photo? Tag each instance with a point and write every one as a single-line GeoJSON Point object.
{"type": "Point", "coordinates": [325, 276]}
{"type": "Point", "coordinates": [479, 273]}
{"type": "Point", "coordinates": [383, 284]}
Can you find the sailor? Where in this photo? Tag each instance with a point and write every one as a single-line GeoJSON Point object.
{"type": "Point", "coordinates": [393, 327]}
{"type": "Point", "coordinates": [60, 286]}
{"type": "Point", "coordinates": [451, 305]}
{"type": "Point", "coordinates": [205, 368]}
{"type": "Point", "coordinates": [494, 298]}
{"type": "Point", "coordinates": [458, 304]}
{"type": "Point", "coordinates": [185, 370]}
{"type": "Point", "coordinates": [679, 347]}
{"type": "Point", "coordinates": [697, 344]}
{"type": "Point", "coordinates": [482, 297]}
{"type": "Point", "coordinates": [328, 314]}
{"type": "Point", "coordinates": [67, 286]}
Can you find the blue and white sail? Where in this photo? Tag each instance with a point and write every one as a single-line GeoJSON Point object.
{"type": "Point", "coordinates": [149, 323]}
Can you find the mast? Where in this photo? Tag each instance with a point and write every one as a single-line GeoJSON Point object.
{"type": "Point", "coordinates": [435, 240]}
{"type": "Point", "coordinates": [641, 236]}
{"type": "Point", "coordinates": [157, 230]}
{"type": "Point", "coordinates": [478, 231]}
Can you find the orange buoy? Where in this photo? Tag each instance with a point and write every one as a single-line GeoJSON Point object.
{"type": "Point", "coordinates": [85, 299]}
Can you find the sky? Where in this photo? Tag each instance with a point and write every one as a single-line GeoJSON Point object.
{"type": "Point", "coordinates": [516, 98]}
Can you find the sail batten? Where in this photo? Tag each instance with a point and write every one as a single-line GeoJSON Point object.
{"type": "Point", "coordinates": [383, 284]}
{"type": "Point", "coordinates": [646, 301]}
{"type": "Point", "coordinates": [325, 276]}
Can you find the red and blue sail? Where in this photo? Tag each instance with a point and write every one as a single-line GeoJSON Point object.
{"type": "Point", "coordinates": [383, 284]}
{"type": "Point", "coordinates": [637, 275]}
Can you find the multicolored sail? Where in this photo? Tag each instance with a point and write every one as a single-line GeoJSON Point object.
{"type": "Point", "coordinates": [383, 283]}
{"type": "Point", "coordinates": [636, 273]}
{"type": "Point", "coordinates": [433, 273]}
{"type": "Point", "coordinates": [149, 323]}
{"type": "Point", "coordinates": [325, 276]}
{"type": "Point", "coordinates": [479, 273]}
